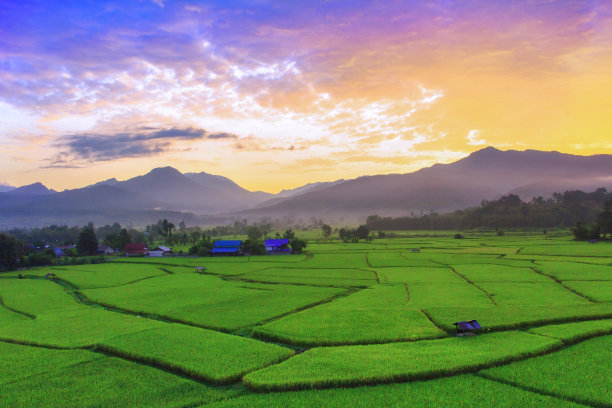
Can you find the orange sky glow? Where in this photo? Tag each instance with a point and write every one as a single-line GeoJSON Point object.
{"type": "Point", "coordinates": [277, 95]}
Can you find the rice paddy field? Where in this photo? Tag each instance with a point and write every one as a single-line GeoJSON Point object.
{"type": "Point", "coordinates": [366, 324]}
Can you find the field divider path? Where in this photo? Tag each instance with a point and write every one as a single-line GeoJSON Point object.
{"type": "Point", "coordinates": [368, 260]}
{"type": "Point", "coordinates": [560, 282]}
{"type": "Point", "coordinates": [244, 331]}
{"type": "Point", "coordinates": [428, 316]}
{"type": "Point", "coordinates": [98, 347]}
{"type": "Point", "coordinates": [315, 285]}
{"type": "Point", "coordinates": [4, 305]}
{"type": "Point", "coordinates": [152, 263]}
{"type": "Point", "coordinates": [175, 368]}
{"type": "Point", "coordinates": [81, 298]}
{"type": "Point", "coordinates": [113, 286]}
{"type": "Point", "coordinates": [348, 292]}
{"type": "Point", "coordinates": [44, 372]}
{"type": "Point", "coordinates": [403, 378]}
{"type": "Point", "coordinates": [39, 345]}
{"type": "Point", "coordinates": [540, 391]}
{"type": "Point", "coordinates": [487, 294]}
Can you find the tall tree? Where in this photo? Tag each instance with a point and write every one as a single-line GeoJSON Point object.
{"type": "Point", "coordinates": [87, 243]}
{"type": "Point", "coordinates": [254, 233]}
{"type": "Point", "coordinates": [9, 251]}
{"type": "Point", "coordinates": [605, 218]}
{"type": "Point", "coordinates": [297, 245]}
{"type": "Point", "coordinates": [362, 232]}
{"type": "Point", "coordinates": [326, 230]}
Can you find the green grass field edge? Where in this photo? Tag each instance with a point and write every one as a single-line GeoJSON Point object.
{"type": "Point", "coordinates": [262, 334]}
{"type": "Point", "coordinates": [579, 337]}
{"type": "Point", "coordinates": [177, 369]}
{"type": "Point", "coordinates": [398, 378]}
{"type": "Point", "coordinates": [450, 329]}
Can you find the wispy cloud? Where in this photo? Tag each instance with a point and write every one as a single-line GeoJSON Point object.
{"type": "Point", "coordinates": [385, 80]}
{"type": "Point", "coordinates": [144, 142]}
{"type": "Point", "coordinates": [473, 138]}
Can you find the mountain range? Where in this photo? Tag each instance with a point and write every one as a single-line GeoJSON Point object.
{"type": "Point", "coordinates": [202, 198]}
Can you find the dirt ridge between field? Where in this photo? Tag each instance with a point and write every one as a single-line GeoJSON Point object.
{"type": "Point", "coordinates": [540, 391]}
{"type": "Point", "coordinates": [473, 284]}
{"type": "Point", "coordinates": [12, 309]}
{"type": "Point", "coordinates": [560, 282]}
{"type": "Point", "coordinates": [401, 378]}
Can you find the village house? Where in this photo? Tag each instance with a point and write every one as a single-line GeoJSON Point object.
{"type": "Point", "coordinates": [160, 251]}
{"type": "Point", "coordinates": [105, 250]}
{"type": "Point", "coordinates": [227, 248]}
{"type": "Point", "coordinates": [135, 250]}
{"type": "Point", "coordinates": [277, 246]}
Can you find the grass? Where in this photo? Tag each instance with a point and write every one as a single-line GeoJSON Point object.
{"type": "Point", "coordinates": [463, 391]}
{"type": "Point", "coordinates": [19, 362]}
{"type": "Point", "coordinates": [9, 317]}
{"type": "Point", "coordinates": [572, 332]}
{"type": "Point", "coordinates": [499, 273]}
{"type": "Point", "coordinates": [418, 274]}
{"type": "Point", "coordinates": [204, 354]}
{"type": "Point", "coordinates": [331, 277]}
{"type": "Point", "coordinates": [461, 259]}
{"type": "Point", "coordinates": [389, 259]}
{"type": "Point", "coordinates": [522, 293]}
{"type": "Point", "coordinates": [575, 271]}
{"type": "Point", "coordinates": [234, 268]}
{"type": "Point", "coordinates": [580, 373]}
{"type": "Point", "coordinates": [211, 302]}
{"type": "Point", "coordinates": [60, 320]}
{"type": "Point", "coordinates": [79, 328]}
{"type": "Point", "coordinates": [105, 275]}
{"type": "Point", "coordinates": [36, 296]}
{"type": "Point", "coordinates": [581, 249]}
{"type": "Point", "coordinates": [383, 363]}
{"type": "Point", "coordinates": [101, 382]}
{"type": "Point", "coordinates": [374, 315]}
{"type": "Point", "coordinates": [346, 260]}
{"type": "Point", "coordinates": [424, 295]}
{"type": "Point", "coordinates": [599, 291]}
{"type": "Point", "coordinates": [517, 316]}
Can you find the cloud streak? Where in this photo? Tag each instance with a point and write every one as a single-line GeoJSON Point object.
{"type": "Point", "coordinates": [385, 80]}
{"type": "Point", "coordinates": [141, 143]}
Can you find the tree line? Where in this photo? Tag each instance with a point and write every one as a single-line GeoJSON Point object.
{"type": "Point", "coordinates": [562, 210]}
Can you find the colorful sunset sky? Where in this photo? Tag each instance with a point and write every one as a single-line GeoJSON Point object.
{"type": "Point", "coordinates": [277, 94]}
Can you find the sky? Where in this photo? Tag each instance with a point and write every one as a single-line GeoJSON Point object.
{"type": "Point", "coordinates": [277, 94]}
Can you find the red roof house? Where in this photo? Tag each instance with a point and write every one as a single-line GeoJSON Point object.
{"type": "Point", "coordinates": [135, 250]}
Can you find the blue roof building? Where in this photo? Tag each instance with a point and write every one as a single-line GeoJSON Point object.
{"type": "Point", "coordinates": [277, 246]}
{"type": "Point", "coordinates": [223, 247]}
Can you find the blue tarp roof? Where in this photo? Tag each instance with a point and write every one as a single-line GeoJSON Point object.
{"type": "Point", "coordinates": [225, 250]}
{"type": "Point", "coordinates": [470, 325]}
{"type": "Point", "coordinates": [224, 244]}
{"type": "Point", "coordinates": [276, 242]}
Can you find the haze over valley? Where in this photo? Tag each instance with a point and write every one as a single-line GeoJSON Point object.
{"type": "Point", "coordinates": [202, 198]}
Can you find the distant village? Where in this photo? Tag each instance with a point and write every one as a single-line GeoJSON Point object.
{"type": "Point", "coordinates": [220, 248]}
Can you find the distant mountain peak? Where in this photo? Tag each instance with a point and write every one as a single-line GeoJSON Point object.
{"type": "Point", "coordinates": [108, 182]}
{"type": "Point", "coordinates": [32, 190]}
{"type": "Point", "coordinates": [5, 187]}
{"type": "Point", "coordinates": [489, 150]}
{"type": "Point", "coordinates": [164, 171]}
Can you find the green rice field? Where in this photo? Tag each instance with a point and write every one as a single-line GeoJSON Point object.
{"type": "Point", "coordinates": [366, 324]}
